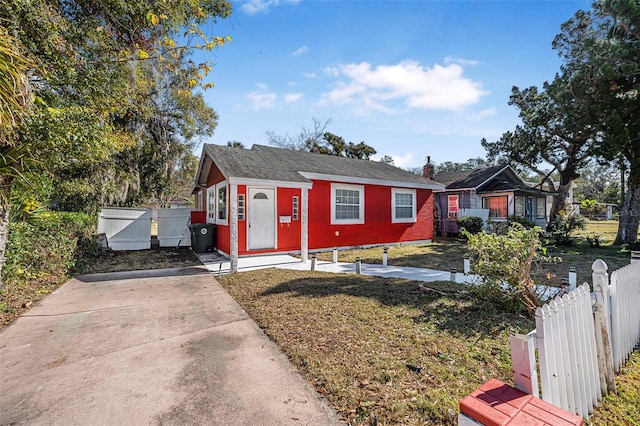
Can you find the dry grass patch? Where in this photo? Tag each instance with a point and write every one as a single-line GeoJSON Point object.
{"type": "Point", "coordinates": [379, 348]}
{"type": "Point", "coordinates": [623, 408]}
{"type": "Point", "coordinates": [441, 255]}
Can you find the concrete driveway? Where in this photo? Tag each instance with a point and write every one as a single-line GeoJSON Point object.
{"type": "Point", "coordinates": [149, 347]}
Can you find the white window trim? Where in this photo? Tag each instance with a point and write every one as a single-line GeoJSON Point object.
{"type": "Point", "coordinates": [360, 189]}
{"type": "Point", "coordinates": [212, 194]}
{"type": "Point", "coordinates": [219, 185]}
{"type": "Point", "coordinates": [411, 192]}
{"type": "Point", "coordinates": [457, 206]}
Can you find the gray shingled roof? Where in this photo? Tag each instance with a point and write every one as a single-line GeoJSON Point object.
{"type": "Point", "coordinates": [467, 178]}
{"type": "Point", "coordinates": [277, 164]}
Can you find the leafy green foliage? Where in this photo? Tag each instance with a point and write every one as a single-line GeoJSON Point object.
{"type": "Point", "coordinates": [470, 224]}
{"type": "Point", "coordinates": [601, 47]}
{"type": "Point", "coordinates": [525, 222]}
{"type": "Point", "coordinates": [470, 164]}
{"type": "Point", "coordinates": [504, 263]}
{"type": "Point", "coordinates": [592, 207]}
{"type": "Point", "coordinates": [15, 92]}
{"type": "Point", "coordinates": [47, 246]}
{"type": "Point", "coordinates": [564, 225]}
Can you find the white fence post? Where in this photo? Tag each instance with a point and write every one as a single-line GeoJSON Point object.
{"type": "Point", "coordinates": [467, 264]}
{"type": "Point", "coordinates": [523, 359]}
{"type": "Point", "coordinates": [573, 278]}
{"type": "Point", "coordinates": [601, 310]}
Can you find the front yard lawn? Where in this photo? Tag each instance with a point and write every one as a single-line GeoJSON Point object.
{"type": "Point", "coordinates": [380, 348]}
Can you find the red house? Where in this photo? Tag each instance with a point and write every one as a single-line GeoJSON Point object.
{"type": "Point", "coordinates": [272, 200]}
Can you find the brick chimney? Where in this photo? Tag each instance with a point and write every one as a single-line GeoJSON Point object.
{"type": "Point", "coordinates": [429, 169]}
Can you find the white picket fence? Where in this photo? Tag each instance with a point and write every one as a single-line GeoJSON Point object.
{"type": "Point", "coordinates": [581, 339]}
{"type": "Point", "coordinates": [623, 300]}
{"type": "Point", "coordinates": [567, 352]}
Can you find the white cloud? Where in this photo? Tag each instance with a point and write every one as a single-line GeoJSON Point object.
{"type": "Point", "coordinates": [438, 88]}
{"type": "Point", "coordinates": [300, 51]}
{"type": "Point", "coordinates": [460, 61]}
{"type": "Point", "coordinates": [292, 97]}
{"type": "Point", "coordinates": [477, 116]}
{"type": "Point", "coordinates": [309, 74]}
{"type": "Point", "coordinates": [262, 6]}
{"type": "Point", "coordinates": [262, 100]}
{"type": "Point", "coordinates": [332, 71]}
{"type": "Point", "coordinates": [401, 161]}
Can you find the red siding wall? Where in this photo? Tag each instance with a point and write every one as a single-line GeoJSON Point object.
{"type": "Point", "coordinates": [222, 232]}
{"type": "Point", "coordinates": [377, 228]}
{"type": "Point", "coordinates": [288, 233]}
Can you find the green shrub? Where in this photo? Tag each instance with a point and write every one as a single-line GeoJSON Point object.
{"type": "Point", "coordinates": [527, 223]}
{"type": "Point", "coordinates": [504, 263]}
{"type": "Point", "coordinates": [564, 225]}
{"type": "Point", "coordinates": [471, 224]}
{"type": "Point", "coordinates": [47, 245]}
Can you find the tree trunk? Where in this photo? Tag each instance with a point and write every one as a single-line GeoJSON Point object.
{"type": "Point", "coordinates": [4, 236]}
{"type": "Point", "coordinates": [559, 202]}
{"type": "Point", "coordinates": [630, 213]}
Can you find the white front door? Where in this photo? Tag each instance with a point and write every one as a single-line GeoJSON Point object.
{"type": "Point", "coordinates": [262, 219]}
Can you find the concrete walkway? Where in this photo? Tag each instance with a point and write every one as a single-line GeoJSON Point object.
{"type": "Point", "coordinates": [220, 265]}
{"type": "Point", "coordinates": [149, 347]}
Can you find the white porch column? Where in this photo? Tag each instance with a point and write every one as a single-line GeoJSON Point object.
{"type": "Point", "coordinates": [304, 232]}
{"type": "Point", "coordinates": [233, 227]}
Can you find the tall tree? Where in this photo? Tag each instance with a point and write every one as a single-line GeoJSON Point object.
{"type": "Point", "coordinates": [602, 46]}
{"type": "Point", "coordinates": [599, 182]}
{"type": "Point", "coordinates": [15, 100]}
{"type": "Point", "coordinates": [470, 164]}
{"type": "Point", "coordinates": [558, 128]}
{"type": "Point", "coordinates": [304, 140]}
{"type": "Point", "coordinates": [108, 78]}
{"type": "Point", "coordinates": [317, 139]}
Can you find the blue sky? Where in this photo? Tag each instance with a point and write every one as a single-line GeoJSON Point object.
{"type": "Point", "coordinates": [410, 78]}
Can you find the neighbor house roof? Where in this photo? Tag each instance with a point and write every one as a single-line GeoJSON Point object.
{"type": "Point", "coordinates": [283, 165]}
{"type": "Point", "coordinates": [490, 179]}
{"type": "Point", "coordinates": [468, 179]}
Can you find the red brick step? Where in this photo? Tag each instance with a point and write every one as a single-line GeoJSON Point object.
{"type": "Point", "coordinates": [496, 403]}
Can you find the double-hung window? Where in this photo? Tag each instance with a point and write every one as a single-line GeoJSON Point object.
{"type": "Point", "coordinates": [347, 204]}
{"type": "Point", "coordinates": [403, 205]}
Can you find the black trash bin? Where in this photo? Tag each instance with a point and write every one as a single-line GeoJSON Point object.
{"type": "Point", "coordinates": [203, 237]}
